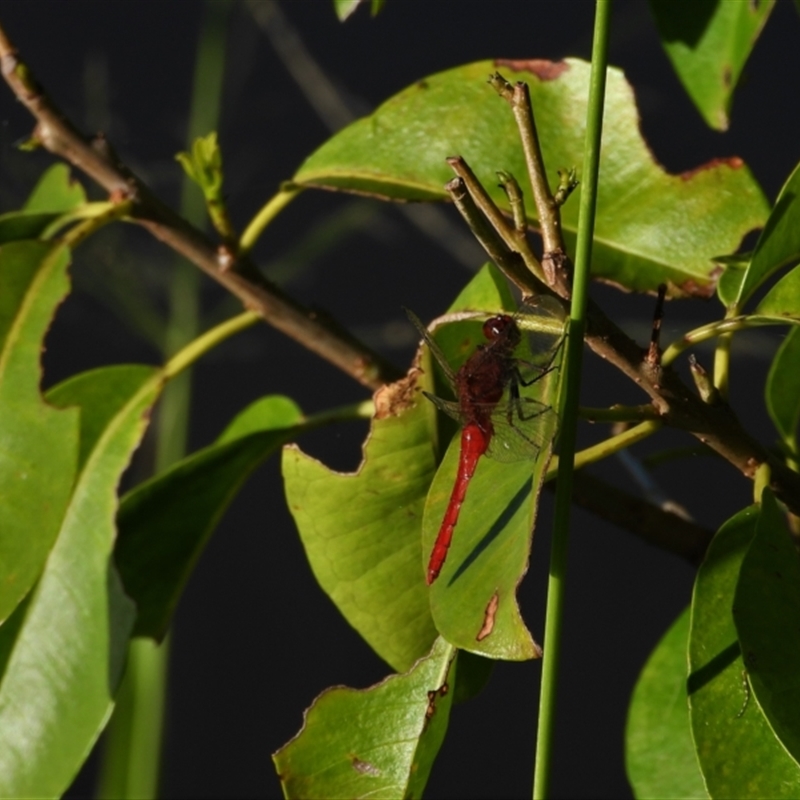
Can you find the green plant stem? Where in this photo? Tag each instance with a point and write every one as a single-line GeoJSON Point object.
{"type": "Point", "coordinates": [133, 749]}
{"type": "Point", "coordinates": [619, 413]}
{"type": "Point", "coordinates": [135, 737]}
{"type": "Point", "coordinates": [569, 405]}
{"type": "Point", "coordinates": [721, 328]}
{"type": "Point", "coordinates": [761, 482]}
{"type": "Point", "coordinates": [722, 363]}
{"type": "Point", "coordinates": [267, 213]}
{"type": "Point", "coordinates": [675, 453]}
{"type": "Point", "coordinates": [185, 357]}
{"type": "Point", "coordinates": [606, 448]}
{"type": "Point", "coordinates": [100, 214]}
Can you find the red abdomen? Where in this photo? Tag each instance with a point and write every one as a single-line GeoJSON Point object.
{"type": "Point", "coordinates": [474, 442]}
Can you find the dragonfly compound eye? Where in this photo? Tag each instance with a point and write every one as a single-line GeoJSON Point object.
{"type": "Point", "coordinates": [498, 327]}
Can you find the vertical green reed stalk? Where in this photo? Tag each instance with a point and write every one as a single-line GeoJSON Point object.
{"type": "Point", "coordinates": [132, 756]}
{"type": "Point", "coordinates": [569, 405]}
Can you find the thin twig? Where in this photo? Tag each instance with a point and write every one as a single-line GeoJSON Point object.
{"type": "Point", "coordinates": [508, 260]}
{"type": "Point", "coordinates": [554, 258]}
{"type": "Point", "coordinates": [57, 134]}
{"type": "Point", "coordinates": [514, 236]}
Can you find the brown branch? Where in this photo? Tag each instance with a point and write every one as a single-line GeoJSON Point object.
{"type": "Point", "coordinates": [556, 264]}
{"type": "Point", "coordinates": [656, 526]}
{"type": "Point", "coordinates": [714, 424]}
{"type": "Point", "coordinates": [320, 335]}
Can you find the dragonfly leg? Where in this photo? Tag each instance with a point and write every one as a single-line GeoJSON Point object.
{"type": "Point", "coordinates": [542, 372]}
{"type": "Point", "coordinates": [515, 409]}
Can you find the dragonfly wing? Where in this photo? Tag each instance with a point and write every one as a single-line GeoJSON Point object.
{"type": "Point", "coordinates": [543, 319]}
{"type": "Point", "coordinates": [448, 406]}
{"type": "Point", "coordinates": [433, 347]}
{"type": "Point", "coordinates": [521, 430]}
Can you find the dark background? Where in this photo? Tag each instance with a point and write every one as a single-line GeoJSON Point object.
{"type": "Point", "coordinates": [255, 639]}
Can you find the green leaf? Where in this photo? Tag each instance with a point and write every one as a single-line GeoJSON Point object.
{"type": "Point", "coordinates": [375, 743]}
{"type": "Point", "coordinates": [730, 281]}
{"type": "Point", "coordinates": [56, 192]}
{"type": "Point", "coordinates": [738, 753]}
{"type": "Point", "coordinates": [779, 242]}
{"type": "Point", "coordinates": [38, 444]}
{"type": "Point", "coordinates": [783, 299]}
{"type": "Point", "coordinates": [782, 392]}
{"type": "Point", "coordinates": [376, 580]}
{"type": "Point", "coordinates": [54, 195]}
{"type": "Point", "coordinates": [345, 8]}
{"type": "Point", "coordinates": [67, 654]}
{"type": "Point", "coordinates": [361, 531]}
{"type": "Point", "coordinates": [708, 44]}
{"type": "Point", "coordinates": [766, 612]}
{"type": "Point", "coordinates": [473, 601]}
{"type": "Point", "coordinates": [652, 227]}
{"type": "Point", "coordinates": [17, 225]}
{"type": "Point", "coordinates": [659, 751]}
{"type": "Point", "coordinates": [204, 164]}
{"type": "Point", "coordinates": [164, 523]}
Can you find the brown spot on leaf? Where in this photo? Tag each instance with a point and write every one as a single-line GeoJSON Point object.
{"type": "Point", "coordinates": [734, 162]}
{"type": "Point", "coordinates": [542, 68]}
{"type": "Point", "coordinates": [394, 398]}
{"type": "Point", "coordinates": [489, 617]}
{"type": "Point", "coordinates": [364, 767]}
{"type": "Point", "coordinates": [727, 76]}
{"type": "Point", "coordinates": [432, 695]}
{"type": "Point", "coordinates": [691, 288]}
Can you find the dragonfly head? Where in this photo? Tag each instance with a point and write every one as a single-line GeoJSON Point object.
{"type": "Point", "coordinates": [501, 327]}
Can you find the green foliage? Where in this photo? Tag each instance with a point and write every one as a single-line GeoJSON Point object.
{"type": "Point", "coordinates": [742, 711]}
{"type": "Point", "coordinates": [708, 44]}
{"type": "Point", "coordinates": [375, 579]}
{"type": "Point", "coordinates": [659, 750]}
{"type": "Point", "coordinates": [715, 711]}
{"type": "Point", "coordinates": [399, 152]}
{"type": "Point", "coordinates": [380, 742]}
{"type": "Point", "coordinates": [766, 608]}
{"type": "Point", "coordinates": [203, 165]}
{"type": "Point", "coordinates": [38, 444]}
{"type": "Point", "coordinates": [165, 522]}
{"type": "Point", "coordinates": [783, 387]}
{"type": "Point", "coordinates": [778, 245]}
{"type": "Point", "coordinates": [345, 8]}
{"type": "Point", "coordinates": [66, 656]}
{"type": "Point", "coordinates": [474, 601]}
{"type": "Point", "coordinates": [54, 195]}
{"type": "Point", "coordinates": [738, 753]}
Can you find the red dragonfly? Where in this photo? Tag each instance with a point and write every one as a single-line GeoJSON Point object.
{"type": "Point", "coordinates": [496, 419]}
